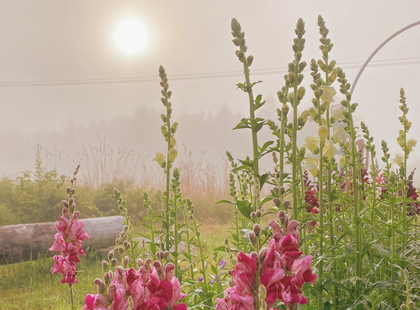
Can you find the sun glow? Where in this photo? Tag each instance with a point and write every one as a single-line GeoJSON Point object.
{"type": "Point", "coordinates": [130, 36]}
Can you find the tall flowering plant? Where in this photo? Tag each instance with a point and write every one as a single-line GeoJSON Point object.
{"type": "Point", "coordinates": [279, 269]}
{"type": "Point", "coordinates": [152, 285]}
{"type": "Point", "coordinates": [68, 240]}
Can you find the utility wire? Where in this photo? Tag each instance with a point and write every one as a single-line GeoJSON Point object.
{"type": "Point", "coordinates": [196, 76]}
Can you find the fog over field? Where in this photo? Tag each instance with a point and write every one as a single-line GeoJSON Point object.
{"type": "Point", "coordinates": [66, 89]}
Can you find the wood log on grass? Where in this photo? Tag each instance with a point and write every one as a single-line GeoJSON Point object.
{"type": "Point", "coordinates": [29, 241]}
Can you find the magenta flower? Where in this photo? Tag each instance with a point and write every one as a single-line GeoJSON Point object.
{"type": "Point", "coordinates": [68, 242]}
{"type": "Point", "coordinates": [150, 287]}
{"type": "Point", "coordinates": [282, 272]}
{"type": "Point", "coordinates": [95, 302]}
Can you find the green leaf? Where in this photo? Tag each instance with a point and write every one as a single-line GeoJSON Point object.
{"type": "Point", "coordinates": [220, 248]}
{"type": "Point", "coordinates": [244, 123]}
{"type": "Point", "coordinates": [245, 208]}
{"type": "Point", "coordinates": [248, 163]}
{"type": "Point", "coordinates": [225, 201]}
{"type": "Point", "coordinates": [265, 146]}
{"type": "Point", "coordinates": [263, 178]}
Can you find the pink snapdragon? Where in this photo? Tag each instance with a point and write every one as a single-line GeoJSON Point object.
{"type": "Point", "coordinates": [280, 270]}
{"type": "Point", "coordinates": [68, 242]}
{"type": "Point", "coordinates": [151, 287]}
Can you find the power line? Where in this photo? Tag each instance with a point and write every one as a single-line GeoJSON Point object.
{"type": "Point", "coordinates": [195, 76]}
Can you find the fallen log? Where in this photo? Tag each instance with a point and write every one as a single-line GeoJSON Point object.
{"type": "Point", "coordinates": [27, 241]}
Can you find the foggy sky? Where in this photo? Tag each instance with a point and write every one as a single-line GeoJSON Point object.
{"type": "Point", "coordinates": [72, 40]}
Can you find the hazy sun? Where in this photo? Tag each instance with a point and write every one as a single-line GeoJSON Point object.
{"type": "Point", "coordinates": [130, 36]}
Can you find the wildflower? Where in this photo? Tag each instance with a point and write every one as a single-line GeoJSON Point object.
{"type": "Point", "coordinates": [336, 112]}
{"type": "Point", "coordinates": [398, 159]}
{"type": "Point", "coordinates": [329, 150]}
{"type": "Point", "coordinates": [322, 132]}
{"type": "Point", "coordinates": [222, 264]}
{"type": "Point", "coordinates": [95, 302]}
{"type": "Point", "coordinates": [173, 153]}
{"type": "Point", "coordinates": [201, 279]}
{"type": "Point", "coordinates": [160, 158]}
{"type": "Point", "coordinates": [410, 144]}
{"type": "Point", "coordinates": [328, 93]}
{"type": "Point", "coordinates": [339, 132]}
{"type": "Point", "coordinates": [282, 274]}
{"type": "Point", "coordinates": [68, 242]}
{"type": "Point", "coordinates": [311, 164]}
{"type": "Point", "coordinates": [312, 144]}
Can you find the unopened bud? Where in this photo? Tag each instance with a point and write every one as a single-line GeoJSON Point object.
{"type": "Point", "coordinates": [258, 213]}
{"type": "Point", "coordinates": [108, 277]}
{"type": "Point", "coordinates": [110, 255]}
{"type": "Point", "coordinates": [254, 256]}
{"type": "Point", "coordinates": [262, 254]}
{"type": "Point", "coordinates": [253, 215]}
{"type": "Point", "coordinates": [66, 213]}
{"type": "Point", "coordinates": [166, 255]}
{"type": "Point", "coordinates": [139, 262]}
{"type": "Point", "coordinates": [257, 230]}
{"type": "Point", "coordinates": [282, 217]}
{"type": "Point", "coordinates": [68, 190]}
{"type": "Point", "coordinates": [277, 202]}
{"type": "Point", "coordinates": [252, 238]}
{"type": "Point", "coordinates": [286, 204]}
{"type": "Point", "coordinates": [101, 285]}
{"type": "Point", "coordinates": [71, 201]}
{"type": "Point", "coordinates": [65, 203]}
{"type": "Point", "coordinates": [105, 265]}
{"type": "Point", "coordinates": [113, 262]}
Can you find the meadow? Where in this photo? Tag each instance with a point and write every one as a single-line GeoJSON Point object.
{"type": "Point", "coordinates": [332, 225]}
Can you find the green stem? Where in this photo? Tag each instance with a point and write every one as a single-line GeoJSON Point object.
{"type": "Point", "coordinates": [295, 180]}
{"type": "Point", "coordinates": [168, 182]}
{"type": "Point", "coordinates": [252, 120]}
{"type": "Point", "coordinates": [202, 259]}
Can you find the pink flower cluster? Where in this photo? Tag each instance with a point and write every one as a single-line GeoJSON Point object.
{"type": "Point", "coordinates": [68, 241]}
{"type": "Point", "coordinates": [281, 271]}
{"type": "Point", "coordinates": [151, 287]}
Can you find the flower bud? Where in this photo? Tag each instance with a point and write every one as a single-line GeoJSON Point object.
{"type": "Point", "coordinates": [65, 203]}
{"type": "Point", "coordinates": [68, 190]}
{"type": "Point", "coordinates": [139, 262]}
{"type": "Point", "coordinates": [107, 277]}
{"type": "Point", "coordinates": [286, 204]}
{"type": "Point", "coordinates": [166, 255]}
{"type": "Point", "coordinates": [147, 263]}
{"type": "Point", "coordinates": [110, 255]}
{"type": "Point", "coordinates": [262, 254]}
{"type": "Point", "coordinates": [257, 230]}
{"type": "Point", "coordinates": [164, 130]}
{"type": "Point", "coordinates": [66, 213]}
{"type": "Point", "coordinates": [277, 202]}
{"type": "Point", "coordinates": [283, 218]}
{"type": "Point", "coordinates": [71, 201]}
{"type": "Point", "coordinates": [258, 213]}
{"type": "Point", "coordinates": [105, 265]}
{"type": "Point", "coordinates": [254, 256]}
{"type": "Point", "coordinates": [101, 285]}
{"type": "Point", "coordinates": [252, 238]}
{"type": "Point", "coordinates": [113, 262]}
{"type": "Point", "coordinates": [253, 215]}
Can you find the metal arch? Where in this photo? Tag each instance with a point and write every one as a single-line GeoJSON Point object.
{"type": "Point", "coordinates": [377, 50]}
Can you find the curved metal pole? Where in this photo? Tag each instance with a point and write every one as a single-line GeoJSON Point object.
{"type": "Point", "coordinates": [377, 50]}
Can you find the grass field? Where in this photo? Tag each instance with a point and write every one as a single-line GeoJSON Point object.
{"type": "Point", "coordinates": [31, 286]}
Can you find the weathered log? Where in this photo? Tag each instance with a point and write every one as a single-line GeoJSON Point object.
{"type": "Point", "coordinates": [27, 241]}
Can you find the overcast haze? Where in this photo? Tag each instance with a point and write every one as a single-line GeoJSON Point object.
{"type": "Point", "coordinates": [60, 68]}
